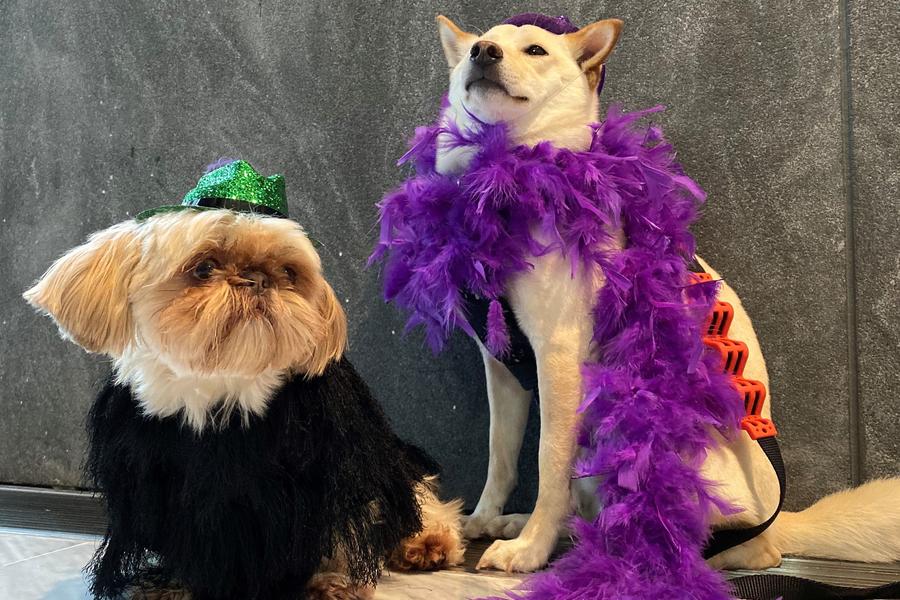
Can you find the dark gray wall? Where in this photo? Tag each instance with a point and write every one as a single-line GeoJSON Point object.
{"type": "Point", "coordinates": [786, 112]}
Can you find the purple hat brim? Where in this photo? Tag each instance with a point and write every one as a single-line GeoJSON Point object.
{"type": "Point", "coordinates": [558, 25]}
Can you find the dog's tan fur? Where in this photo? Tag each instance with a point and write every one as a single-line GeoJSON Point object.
{"type": "Point", "coordinates": [553, 97]}
{"type": "Point", "coordinates": [204, 347]}
{"type": "Point", "coordinates": [440, 543]}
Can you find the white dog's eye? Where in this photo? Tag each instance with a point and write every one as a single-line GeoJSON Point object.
{"type": "Point", "coordinates": [535, 50]}
{"type": "Point", "coordinates": [205, 269]}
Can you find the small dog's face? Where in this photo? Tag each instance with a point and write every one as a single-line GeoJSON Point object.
{"type": "Point", "coordinates": [510, 72]}
{"type": "Point", "coordinates": [207, 292]}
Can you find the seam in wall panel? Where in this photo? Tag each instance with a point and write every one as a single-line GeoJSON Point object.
{"type": "Point", "coordinates": [856, 433]}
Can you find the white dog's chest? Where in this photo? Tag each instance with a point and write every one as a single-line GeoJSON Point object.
{"type": "Point", "coordinates": [200, 400]}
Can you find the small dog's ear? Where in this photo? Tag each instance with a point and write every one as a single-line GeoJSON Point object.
{"type": "Point", "coordinates": [592, 45]}
{"type": "Point", "coordinates": [455, 41]}
{"type": "Point", "coordinates": [334, 342]}
{"type": "Point", "coordinates": [86, 291]}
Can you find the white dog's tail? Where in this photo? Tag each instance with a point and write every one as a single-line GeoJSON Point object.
{"type": "Point", "coordinates": [861, 524]}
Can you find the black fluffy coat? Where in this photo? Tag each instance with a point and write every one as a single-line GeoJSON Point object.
{"type": "Point", "coordinates": [248, 511]}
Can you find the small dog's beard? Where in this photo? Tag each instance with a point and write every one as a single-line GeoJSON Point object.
{"type": "Point", "coordinates": [219, 329]}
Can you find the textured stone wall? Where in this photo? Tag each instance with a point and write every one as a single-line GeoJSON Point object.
{"type": "Point", "coordinates": [785, 112]}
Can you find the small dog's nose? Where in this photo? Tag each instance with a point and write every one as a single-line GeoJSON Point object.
{"type": "Point", "coordinates": [258, 280]}
{"type": "Point", "coordinates": [485, 53]}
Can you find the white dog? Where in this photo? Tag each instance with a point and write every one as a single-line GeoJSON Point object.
{"type": "Point", "coordinates": [544, 86]}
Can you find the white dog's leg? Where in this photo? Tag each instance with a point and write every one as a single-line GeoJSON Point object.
{"type": "Point", "coordinates": [509, 415]}
{"type": "Point", "coordinates": [553, 309]}
{"type": "Point", "coordinates": [560, 387]}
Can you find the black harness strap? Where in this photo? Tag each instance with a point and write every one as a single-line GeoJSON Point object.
{"type": "Point", "coordinates": [722, 540]}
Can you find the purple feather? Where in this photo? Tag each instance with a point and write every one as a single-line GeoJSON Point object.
{"type": "Point", "coordinates": [497, 333]}
{"type": "Point", "coordinates": [654, 394]}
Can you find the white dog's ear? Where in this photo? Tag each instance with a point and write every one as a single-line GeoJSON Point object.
{"type": "Point", "coordinates": [86, 291]}
{"type": "Point", "coordinates": [592, 45]}
{"type": "Point", "coordinates": [455, 41]}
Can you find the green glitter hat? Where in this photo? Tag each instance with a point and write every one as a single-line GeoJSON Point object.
{"type": "Point", "coordinates": [234, 186]}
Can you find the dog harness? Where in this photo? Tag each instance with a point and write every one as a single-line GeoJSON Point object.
{"type": "Point", "coordinates": [734, 354]}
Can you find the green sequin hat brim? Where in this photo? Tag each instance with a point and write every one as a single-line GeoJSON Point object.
{"type": "Point", "coordinates": [151, 212]}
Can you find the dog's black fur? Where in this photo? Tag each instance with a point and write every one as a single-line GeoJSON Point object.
{"type": "Point", "coordinates": [249, 511]}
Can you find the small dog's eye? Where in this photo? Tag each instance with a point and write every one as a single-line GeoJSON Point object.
{"type": "Point", "coordinates": [205, 269]}
{"type": "Point", "coordinates": [535, 50]}
{"type": "Point", "coordinates": [290, 273]}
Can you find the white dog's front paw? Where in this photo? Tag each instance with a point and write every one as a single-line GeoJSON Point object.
{"type": "Point", "coordinates": [475, 525]}
{"type": "Point", "coordinates": [519, 555]}
{"type": "Point", "coordinates": [506, 527]}
{"type": "Point", "coordinates": [756, 555]}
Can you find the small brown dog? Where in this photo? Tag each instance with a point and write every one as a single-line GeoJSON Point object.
{"type": "Point", "coordinates": [239, 453]}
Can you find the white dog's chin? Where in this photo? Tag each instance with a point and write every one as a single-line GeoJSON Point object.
{"type": "Point", "coordinates": [492, 104]}
{"type": "Point", "coordinates": [493, 91]}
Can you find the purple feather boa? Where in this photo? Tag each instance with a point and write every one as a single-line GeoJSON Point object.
{"type": "Point", "coordinates": [654, 394]}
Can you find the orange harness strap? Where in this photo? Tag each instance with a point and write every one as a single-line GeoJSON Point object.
{"type": "Point", "coordinates": [734, 355]}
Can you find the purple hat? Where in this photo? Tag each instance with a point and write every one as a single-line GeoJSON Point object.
{"type": "Point", "coordinates": [558, 25]}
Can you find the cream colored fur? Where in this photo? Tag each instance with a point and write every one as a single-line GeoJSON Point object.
{"type": "Point", "coordinates": [554, 310]}
{"type": "Point", "coordinates": [440, 543]}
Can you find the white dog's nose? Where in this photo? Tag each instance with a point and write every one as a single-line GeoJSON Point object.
{"type": "Point", "coordinates": [485, 53]}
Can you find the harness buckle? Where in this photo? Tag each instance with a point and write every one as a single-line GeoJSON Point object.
{"type": "Point", "coordinates": [758, 427]}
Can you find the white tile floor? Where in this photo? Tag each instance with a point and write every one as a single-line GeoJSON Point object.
{"type": "Point", "coordinates": [38, 565]}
